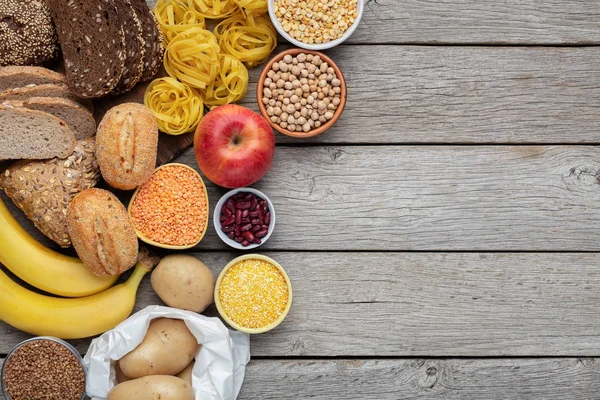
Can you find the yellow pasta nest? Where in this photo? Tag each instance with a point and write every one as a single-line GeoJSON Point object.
{"type": "Point", "coordinates": [215, 9]}
{"type": "Point", "coordinates": [177, 107]}
{"type": "Point", "coordinates": [254, 7]}
{"type": "Point", "coordinates": [251, 40]}
{"type": "Point", "coordinates": [231, 83]}
{"type": "Point", "coordinates": [176, 16]}
{"type": "Point", "coordinates": [192, 57]}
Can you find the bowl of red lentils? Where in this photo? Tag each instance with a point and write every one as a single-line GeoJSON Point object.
{"type": "Point", "coordinates": [253, 294]}
{"type": "Point", "coordinates": [301, 93]}
{"type": "Point", "coordinates": [316, 24]}
{"type": "Point", "coordinates": [43, 368]}
{"type": "Point", "coordinates": [171, 209]}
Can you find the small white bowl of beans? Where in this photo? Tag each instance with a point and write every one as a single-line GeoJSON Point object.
{"type": "Point", "coordinates": [316, 24]}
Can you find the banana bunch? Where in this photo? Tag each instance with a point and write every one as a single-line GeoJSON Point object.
{"type": "Point", "coordinates": [96, 306]}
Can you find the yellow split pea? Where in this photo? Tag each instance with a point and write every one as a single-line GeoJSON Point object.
{"type": "Point", "coordinates": [253, 293]}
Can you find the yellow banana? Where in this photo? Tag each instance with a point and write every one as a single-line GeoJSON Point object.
{"type": "Point", "coordinates": [69, 318]}
{"type": "Point", "coordinates": [41, 267]}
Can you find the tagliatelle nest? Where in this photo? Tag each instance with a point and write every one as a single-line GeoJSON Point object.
{"type": "Point", "coordinates": [177, 107]}
{"type": "Point", "coordinates": [251, 40]}
{"type": "Point", "coordinates": [253, 7]}
{"type": "Point", "coordinates": [176, 16]}
{"type": "Point", "coordinates": [215, 9]}
{"type": "Point", "coordinates": [231, 83]}
{"type": "Point", "coordinates": [192, 57]}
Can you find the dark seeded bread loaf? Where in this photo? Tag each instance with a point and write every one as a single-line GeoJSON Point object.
{"type": "Point", "coordinates": [44, 90]}
{"type": "Point", "coordinates": [134, 44]}
{"type": "Point", "coordinates": [93, 44]}
{"type": "Point", "coordinates": [78, 118]}
{"type": "Point", "coordinates": [27, 34]}
{"type": "Point", "coordinates": [152, 38]}
{"type": "Point", "coordinates": [31, 134]}
{"type": "Point", "coordinates": [14, 77]}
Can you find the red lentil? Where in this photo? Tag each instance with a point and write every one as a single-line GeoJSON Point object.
{"type": "Point", "coordinates": [171, 208]}
{"type": "Point", "coordinates": [253, 293]}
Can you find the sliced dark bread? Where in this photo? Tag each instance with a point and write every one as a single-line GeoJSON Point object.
{"type": "Point", "coordinates": [93, 44]}
{"type": "Point", "coordinates": [152, 38]}
{"type": "Point", "coordinates": [134, 43]}
{"type": "Point", "coordinates": [14, 77]}
{"type": "Point", "coordinates": [44, 90]}
{"type": "Point", "coordinates": [32, 134]}
{"type": "Point", "coordinates": [78, 118]}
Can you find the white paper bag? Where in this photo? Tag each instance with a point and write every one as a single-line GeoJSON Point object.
{"type": "Point", "coordinates": [218, 373]}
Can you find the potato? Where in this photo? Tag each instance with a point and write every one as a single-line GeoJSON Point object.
{"type": "Point", "coordinates": [167, 349]}
{"type": "Point", "coordinates": [163, 387]}
{"type": "Point", "coordinates": [186, 374]}
{"type": "Point", "coordinates": [184, 282]}
{"type": "Point", "coordinates": [120, 375]}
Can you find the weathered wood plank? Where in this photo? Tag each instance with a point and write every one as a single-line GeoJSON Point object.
{"type": "Point", "coordinates": [424, 304]}
{"type": "Point", "coordinates": [429, 198]}
{"type": "Point", "coordinates": [478, 21]}
{"type": "Point", "coordinates": [423, 379]}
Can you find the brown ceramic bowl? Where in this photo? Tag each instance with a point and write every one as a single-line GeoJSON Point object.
{"type": "Point", "coordinates": [322, 128]}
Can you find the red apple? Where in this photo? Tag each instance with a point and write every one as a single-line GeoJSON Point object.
{"type": "Point", "coordinates": [234, 146]}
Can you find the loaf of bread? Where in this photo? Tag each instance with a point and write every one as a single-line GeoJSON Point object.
{"type": "Point", "coordinates": [101, 232]}
{"type": "Point", "coordinates": [32, 134]}
{"type": "Point", "coordinates": [92, 40]}
{"type": "Point", "coordinates": [78, 118]}
{"type": "Point", "coordinates": [153, 39]}
{"type": "Point", "coordinates": [27, 34]}
{"type": "Point", "coordinates": [134, 45]}
{"type": "Point", "coordinates": [14, 77]}
{"type": "Point", "coordinates": [43, 90]}
{"type": "Point", "coordinates": [44, 189]}
{"type": "Point", "coordinates": [127, 141]}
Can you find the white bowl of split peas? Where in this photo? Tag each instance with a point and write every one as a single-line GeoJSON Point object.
{"type": "Point", "coordinates": [314, 24]}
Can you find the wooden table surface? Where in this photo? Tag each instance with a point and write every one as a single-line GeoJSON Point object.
{"type": "Point", "coordinates": [442, 238]}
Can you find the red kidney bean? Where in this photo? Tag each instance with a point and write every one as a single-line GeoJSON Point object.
{"type": "Point", "coordinates": [245, 213]}
{"type": "Point", "coordinates": [267, 218]}
{"type": "Point", "coordinates": [226, 211]}
{"type": "Point", "coordinates": [242, 205]}
{"type": "Point", "coordinates": [256, 222]}
{"type": "Point", "coordinates": [261, 214]}
{"type": "Point", "coordinates": [256, 228]}
{"type": "Point", "coordinates": [238, 239]}
{"type": "Point", "coordinates": [253, 214]}
{"type": "Point", "coordinates": [245, 221]}
{"type": "Point", "coordinates": [245, 243]}
{"type": "Point", "coordinates": [223, 218]}
{"type": "Point", "coordinates": [249, 197]}
{"type": "Point", "coordinates": [238, 216]}
{"type": "Point", "coordinates": [231, 235]}
{"type": "Point", "coordinates": [229, 204]}
{"type": "Point", "coordinates": [229, 221]}
{"type": "Point", "coordinates": [237, 230]}
{"type": "Point", "coordinates": [227, 229]}
{"type": "Point", "coordinates": [246, 227]}
{"type": "Point", "coordinates": [253, 203]}
{"type": "Point", "coordinates": [257, 241]}
{"type": "Point", "coordinates": [262, 233]}
{"type": "Point", "coordinates": [265, 226]}
{"type": "Point", "coordinates": [249, 236]}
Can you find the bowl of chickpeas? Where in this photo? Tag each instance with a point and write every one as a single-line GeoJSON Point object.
{"type": "Point", "coordinates": [301, 93]}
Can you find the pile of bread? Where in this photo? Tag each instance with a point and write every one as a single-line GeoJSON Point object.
{"type": "Point", "coordinates": [108, 46]}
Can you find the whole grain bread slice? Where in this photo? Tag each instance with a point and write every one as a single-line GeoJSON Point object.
{"type": "Point", "coordinates": [78, 118]}
{"type": "Point", "coordinates": [43, 90]}
{"type": "Point", "coordinates": [134, 43]}
{"type": "Point", "coordinates": [153, 39]}
{"type": "Point", "coordinates": [32, 134]}
{"type": "Point", "coordinates": [92, 39]}
{"type": "Point", "coordinates": [14, 77]}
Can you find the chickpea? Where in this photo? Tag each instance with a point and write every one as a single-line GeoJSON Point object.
{"type": "Point", "coordinates": [283, 67]}
{"type": "Point", "coordinates": [290, 120]}
{"type": "Point", "coordinates": [287, 93]}
{"type": "Point", "coordinates": [317, 124]}
{"type": "Point", "coordinates": [303, 102]}
{"type": "Point", "coordinates": [294, 99]}
{"type": "Point", "coordinates": [306, 127]}
{"type": "Point", "coordinates": [280, 83]}
{"type": "Point", "coordinates": [285, 76]}
{"type": "Point", "coordinates": [286, 101]}
{"type": "Point", "coordinates": [292, 127]}
{"type": "Point", "coordinates": [283, 124]}
{"type": "Point", "coordinates": [288, 85]}
{"type": "Point", "coordinates": [287, 58]}
{"type": "Point", "coordinates": [328, 115]}
{"type": "Point", "coordinates": [269, 76]}
{"type": "Point", "coordinates": [273, 86]}
{"type": "Point", "coordinates": [277, 111]}
{"type": "Point", "coordinates": [275, 67]}
{"type": "Point", "coordinates": [274, 119]}
{"type": "Point", "coordinates": [272, 102]}
{"type": "Point", "coordinates": [297, 114]}
{"type": "Point", "coordinates": [296, 70]}
{"type": "Point", "coordinates": [265, 100]}
{"type": "Point", "coordinates": [296, 84]}
{"type": "Point", "coordinates": [336, 82]}
{"type": "Point", "coordinates": [336, 101]}
{"type": "Point", "coordinates": [284, 116]}
{"type": "Point", "coordinates": [301, 57]}
{"type": "Point", "coordinates": [298, 92]}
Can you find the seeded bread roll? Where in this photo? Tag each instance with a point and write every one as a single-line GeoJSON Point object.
{"type": "Point", "coordinates": [101, 232]}
{"type": "Point", "coordinates": [78, 118]}
{"type": "Point", "coordinates": [44, 189]}
{"type": "Point", "coordinates": [127, 141]}
{"type": "Point", "coordinates": [27, 34]}
{"type": "Point", "coordinates": [44, 90]}
{"type": "Point", "coordinates": [93, 44]}
{"type": "Point", "coordinates": [34, 135]}
{"type": "Point", "coordinates": [14, 77]}
{"type": "Point", "coordinates": [134, 43]}
{"type": "Point", "coordinates": [153, 39]}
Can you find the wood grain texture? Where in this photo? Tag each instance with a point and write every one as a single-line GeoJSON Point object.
{"type": "Point", "coordinates": [422, 379]}
{"type": "Point", "coordinates": [424, 304]}
{"type": "Point", "coordinates": [459, 198]}
{"type": "Point", "coordinates": [477, 21]}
